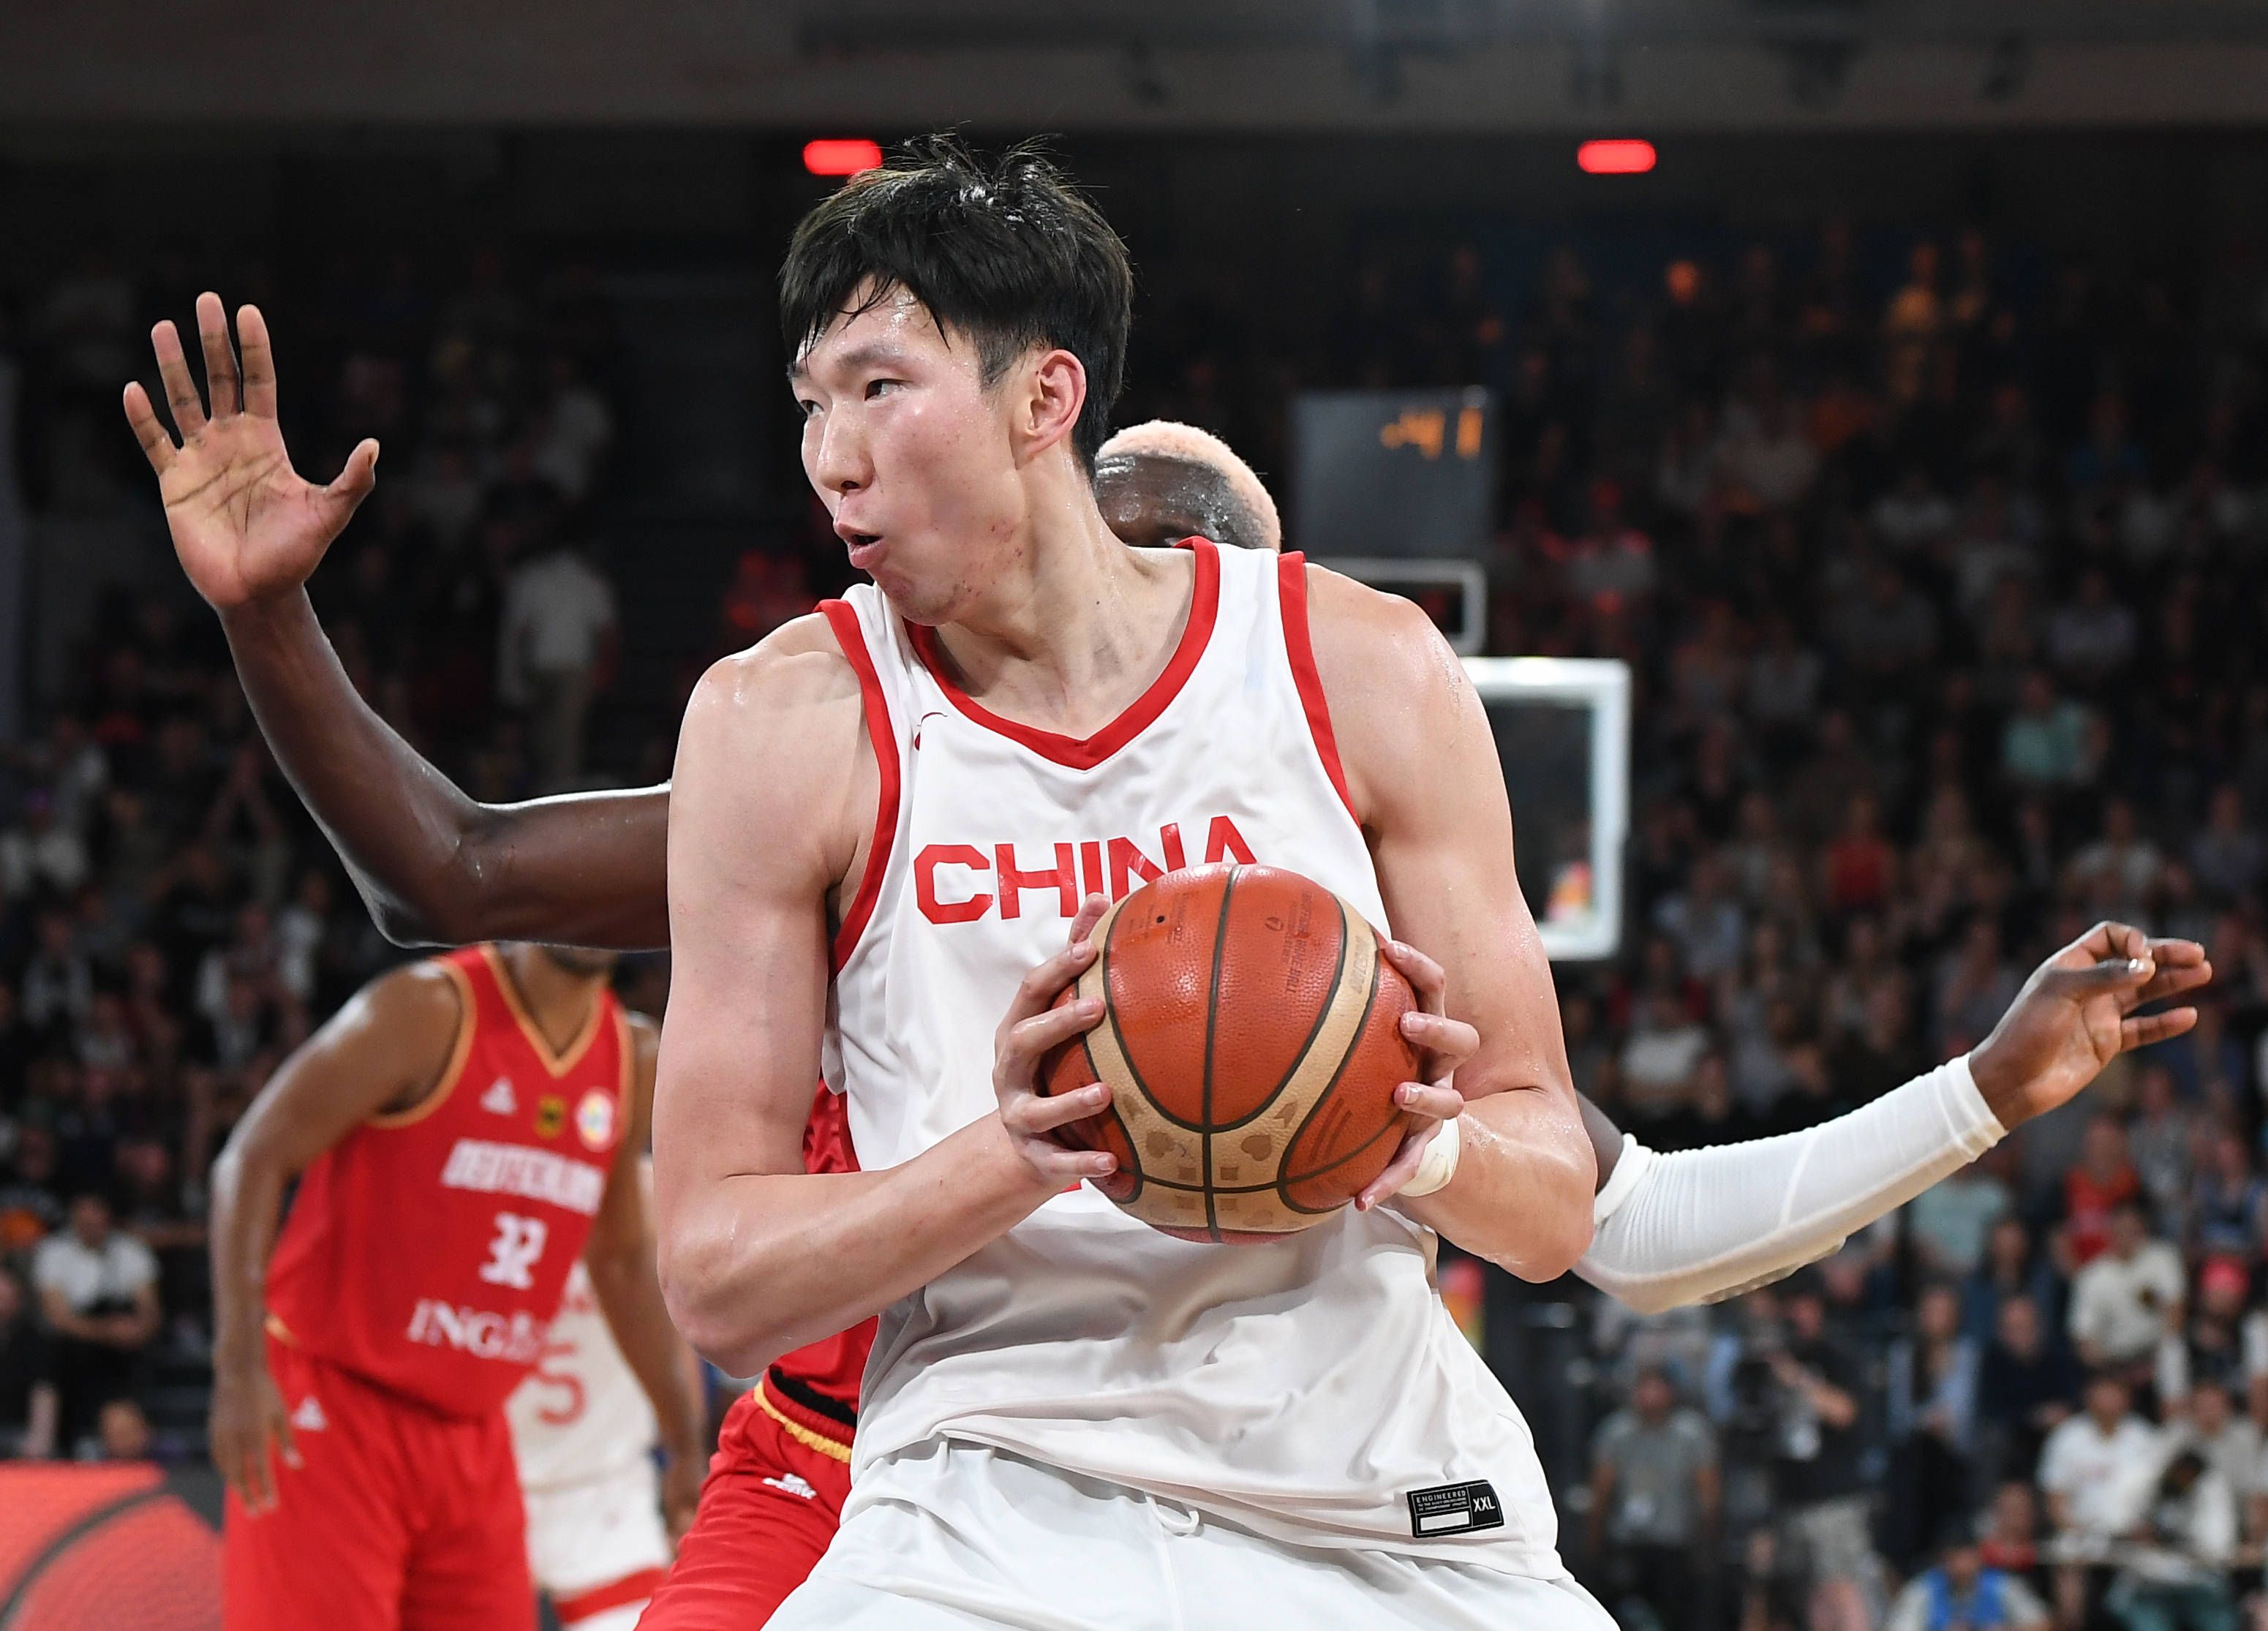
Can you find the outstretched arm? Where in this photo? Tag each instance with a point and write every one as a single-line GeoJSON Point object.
{"type": "Point", "coordinates": [1706, 1224]}
{"type": "Point", "coordinates": [436, 867]}
{"type": "Point", "coordinates": [1422, 773]}
{"type": "Point", "coordinates": [432, 864]}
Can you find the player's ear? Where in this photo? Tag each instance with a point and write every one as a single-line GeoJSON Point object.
{"type": "Point", "coordinates": [1052, 394]}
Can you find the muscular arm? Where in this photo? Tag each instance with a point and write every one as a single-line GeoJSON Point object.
{"type": "Point", "coordinates": [432, 864]}
{"type": "Point", "coordinates": [620, 1258]}
{"type": "Point", "coordinates": [1422, 772]}
{"type": "Point", "coordinates": [757, 1255]}
{"type": "Point", "coordinates": [384, 1051]}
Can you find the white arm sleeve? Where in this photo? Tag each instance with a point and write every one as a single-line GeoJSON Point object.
{"type": "Point", "coordinates": [1706, 1224]}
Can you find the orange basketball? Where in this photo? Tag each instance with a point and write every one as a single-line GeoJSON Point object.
{"type": "Point", "coordinates": [1252, 1040]}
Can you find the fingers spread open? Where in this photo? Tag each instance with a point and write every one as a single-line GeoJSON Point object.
{"type": "Point", "coordinates": [1423, 974]}
{"type": "Point", "coordinates": [1450, 1041]}
{"type": "Point", "coordinates": [181, 390]}
{"type": "Point", "coordinates": [221, 382]}
{"type": "Point", "coordinates": [259, 362]}
{"type": "Point", "coordinates": [1431, 1100]}
{"type": "Point", "coordinates": [1041, 987]}
{"type": "Point", "coordinates": [2171, 982]}
{"type": "Point", "coordinates": [1029, 1040]}
{"type": "Point", "coordinates": [1090, 913]}
{"type": "Point", "coordinates": [1044, 1114]}
{"type": "Point", "coordinates": [141, 416]}
{"type": "Point", "coordinates": [1400, 1170]}
{"type": "Point", "coordinates": [355, 482]}
{"type": "Point", "coordinates": [2143, 1029]}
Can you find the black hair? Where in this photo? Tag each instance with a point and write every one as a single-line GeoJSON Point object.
{"type": "Point", "coordinates": [1006, 250]}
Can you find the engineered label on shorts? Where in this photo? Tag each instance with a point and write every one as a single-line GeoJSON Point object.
{"type": "Point", "coordinates": [1454, 1508]}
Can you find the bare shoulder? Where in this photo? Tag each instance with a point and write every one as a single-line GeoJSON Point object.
{"type": "Point", "coordinates": [774, 743]}
{"type": "Point", "coordinates": [1394, 687]}
{"type": "Point", "coordinates": [418, 1002]}
{"type": "Point", "coordinates": [798, 665]}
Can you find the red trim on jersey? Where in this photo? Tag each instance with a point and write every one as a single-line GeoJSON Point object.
{"type": "Point", "coordinates": [1085, 753]}
{"type": "Point", "coordinates": [619, 1594]}
{"type": "Point", "coordinates": [1291, 597]}
{"type": "Point", "coordinates": [848, 635]}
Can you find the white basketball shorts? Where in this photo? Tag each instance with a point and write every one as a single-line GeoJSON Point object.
{"type": "Point", "coordinates": [967, 1537]}
{"type": "Point", "coordinates": [599, 1548]}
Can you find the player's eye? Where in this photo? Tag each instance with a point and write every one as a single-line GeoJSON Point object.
{"type": "Point", "coordinates": [876, 387]}
{"type": "Point", "coordinates": [806, 407]}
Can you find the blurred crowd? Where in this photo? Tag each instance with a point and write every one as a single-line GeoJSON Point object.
{"type": "Point", "coordinates": [1939, 592]}
{"type": "Point", "coordinates": [171, 922]}
{"type": "Point", "coordinates": [1938, 578]}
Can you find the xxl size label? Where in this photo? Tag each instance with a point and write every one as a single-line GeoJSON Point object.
{"type": "Point", "coordinates": [1455, 1510]}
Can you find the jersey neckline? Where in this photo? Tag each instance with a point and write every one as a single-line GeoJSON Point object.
{"type": "Point", "coordinates": [1084, 753]}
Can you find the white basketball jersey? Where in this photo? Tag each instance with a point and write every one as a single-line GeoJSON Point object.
{"type": "Point", "coordinates": [1313, 1389]}
{"type": "Point", "coordinates": [580, 1417]}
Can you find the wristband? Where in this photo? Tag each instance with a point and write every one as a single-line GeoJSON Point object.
{"type": "Point", "coordinates": [1438, 1164]}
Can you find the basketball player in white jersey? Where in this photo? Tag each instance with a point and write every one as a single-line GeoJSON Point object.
{"type": "Point", "coordinates": [1070, 1418]}
{"type": "Point", "coordinates": [1694, 1225]}
{"type": "Point", "coordinates": [584, 1433]}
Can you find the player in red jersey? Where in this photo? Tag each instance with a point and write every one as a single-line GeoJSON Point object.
{"type": "Point", "coordinates": [463, 1130]}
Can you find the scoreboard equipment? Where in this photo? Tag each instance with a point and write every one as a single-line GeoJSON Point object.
{"type": "Point", "coordinates": [1399, 474]}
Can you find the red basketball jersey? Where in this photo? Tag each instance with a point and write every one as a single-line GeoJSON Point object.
{"type": "Point", "coordinates": [427, 1252]}
{"type": "Point", "coordinates": [833, 1366]}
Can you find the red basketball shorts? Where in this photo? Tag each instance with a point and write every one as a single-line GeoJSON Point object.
{"type": "Point", "coordinates": [399, 1519]}
{"type": "Point", "coordinates": [772, 1502]}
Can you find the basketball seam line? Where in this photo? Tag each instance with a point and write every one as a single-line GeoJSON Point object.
{"type": "Point", "coordinates": [1369, 1002]}
{"type": "Point", "coordinates": [1212, 1015]}
{"type": "Point", "coordinates": [1141, 1180]}
{"type": "Point", "coordinates": [1322, 1018]}
{"type": "Point", "coordinates": [1125, 1054]}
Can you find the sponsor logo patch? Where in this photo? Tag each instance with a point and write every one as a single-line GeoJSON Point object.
{"type": "Point", "coordinates": [790, 1484]}
{"type": "Point", "coordinates": [1455, 1510]}
{"type": "Point", "coordinates": [309, 1417]}
{"type": "Point", "coordinates": [500, 1100]}
{"type": "Point", "coordinates": [594, 1119]}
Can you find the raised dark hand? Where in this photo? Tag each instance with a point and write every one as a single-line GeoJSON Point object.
{"type": "Point", "coordinates": [2077, 1013]}
{"type": "Point", "coordinates": [245, 523]}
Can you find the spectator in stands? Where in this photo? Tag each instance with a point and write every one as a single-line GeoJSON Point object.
{"type": "Point", "coordinates": [2103, 1179]}
{"type": "Point", "coordinates": [98, 1290]}
{"type": "Point", "coordinates": [2174, 1577]}
{"type": "Point", "coordinates": [1932, 1396]}
{"type": "Point", "coordinates": [1654, 1495]}
{"type": "Point", "coordinates": [2089, 1471]}
{"type": "Point", "coordinates": [2128, 1298]}
{"type": "Point", "coordinates": [2027, 1385]}
{"type": "Point", "coordinates": [558, 636]}
{"type": "Point", "coordinates": [2010, 1540]}
{"type": "Point", "coordinates": [1820, 1492]}
{"type": "Point", "coordinates": [28, 1400]}
{"type": "Point", "coordinates": [1960, 1590]}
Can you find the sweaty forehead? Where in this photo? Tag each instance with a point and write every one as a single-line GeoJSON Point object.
{"type": "Point", "coordinates": [873, 326]}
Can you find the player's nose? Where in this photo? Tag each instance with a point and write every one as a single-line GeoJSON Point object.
{"type": "Point", "coordinates": [841, 463]}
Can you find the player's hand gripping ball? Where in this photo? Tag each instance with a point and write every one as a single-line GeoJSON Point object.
{"type": "Point", "coordinates": [1252, 1040]}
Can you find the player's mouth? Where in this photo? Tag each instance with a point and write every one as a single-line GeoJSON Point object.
{"type": "Point", "coordinates": [865, 547]}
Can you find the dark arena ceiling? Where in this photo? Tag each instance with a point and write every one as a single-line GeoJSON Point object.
{"type": "Point", "coordinates": [1136, 64]}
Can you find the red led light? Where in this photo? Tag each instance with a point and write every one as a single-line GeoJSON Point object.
{"type": "Point", "coordinates": [1615, 157]}
{"type": "Point", "coordinates": [831, 157]}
